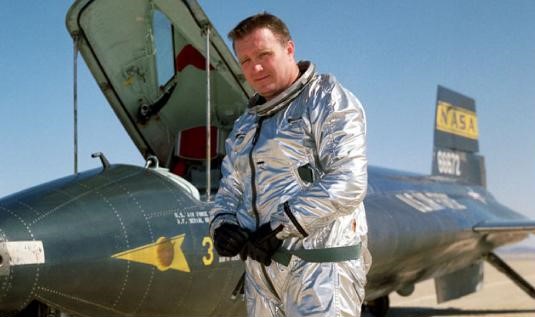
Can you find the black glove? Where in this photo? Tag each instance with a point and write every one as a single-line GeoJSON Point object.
{"type": "Point", "coordinates": [262, 244]}
{"type": "Point", "coordinates": [229, 239]}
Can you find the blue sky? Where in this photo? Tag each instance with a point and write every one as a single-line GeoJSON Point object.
{"type": "Point", "coordinates": [391, 54]}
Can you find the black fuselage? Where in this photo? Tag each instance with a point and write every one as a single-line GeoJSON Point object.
{"type": "Point", "coordinates": [419, 227]}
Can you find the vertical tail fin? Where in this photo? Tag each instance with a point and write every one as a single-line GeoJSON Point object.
{"type": "Point", "coordinates": [456, 139]}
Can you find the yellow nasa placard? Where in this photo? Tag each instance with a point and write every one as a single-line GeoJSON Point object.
{"type": "Point", "coordinates": [456, 120]}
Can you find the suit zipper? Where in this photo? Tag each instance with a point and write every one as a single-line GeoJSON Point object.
{"type": "Point", "coordinates": [253, 171]}
{"type": "Point", "coordinates": [253, 199]}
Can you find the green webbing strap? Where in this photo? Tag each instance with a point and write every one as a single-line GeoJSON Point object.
{"type": "Point", "coordinates": [337, 254]}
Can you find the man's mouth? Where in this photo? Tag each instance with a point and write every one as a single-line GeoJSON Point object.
{"type": "Point", "coordinates": [261, 78]}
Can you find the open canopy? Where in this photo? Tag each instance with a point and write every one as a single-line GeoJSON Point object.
{"type": "Point", "coordinates": [148, 57]}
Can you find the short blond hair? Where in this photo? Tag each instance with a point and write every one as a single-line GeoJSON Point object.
{"type": "Point", "coordinates": [257, 21]}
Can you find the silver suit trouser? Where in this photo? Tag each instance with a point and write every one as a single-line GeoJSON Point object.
{"type": "Point", "coordinates": [306, 289]}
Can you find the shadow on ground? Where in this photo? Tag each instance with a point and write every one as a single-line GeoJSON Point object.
{"type": "Point", "coordinates": [430, 312]}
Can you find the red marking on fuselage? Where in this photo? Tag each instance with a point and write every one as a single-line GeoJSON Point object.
{"type": "Point", "coordinates": [189, 55]}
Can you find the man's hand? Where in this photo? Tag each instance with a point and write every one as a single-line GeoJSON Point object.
{"type": "Point", "coordinates": [262, 244]}
{"type": "Point", "coordinates": [229, 239]}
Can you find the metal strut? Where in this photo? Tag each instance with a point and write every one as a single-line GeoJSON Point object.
{"type": "Point", "coordinates": [206, 32]}
{"type": "Point", "coordinates": [76, 38]}
{"type": "Point", "coordinates": [501, 266]}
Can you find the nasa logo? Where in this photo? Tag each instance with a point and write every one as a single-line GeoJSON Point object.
{"type": "Point", "coordinates": [456, 120]}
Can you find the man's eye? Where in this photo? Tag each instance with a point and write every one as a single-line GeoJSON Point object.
{"type": "Point", "coordinates": [244, 61]}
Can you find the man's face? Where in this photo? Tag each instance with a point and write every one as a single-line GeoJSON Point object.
{"type": "Point", "coordinates": [268, 65]}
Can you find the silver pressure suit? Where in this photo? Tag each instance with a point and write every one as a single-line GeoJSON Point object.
{"type": "Point", "coordinates": [300, 160]}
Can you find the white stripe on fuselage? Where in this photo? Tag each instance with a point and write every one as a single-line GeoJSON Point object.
{"type": "Point", "coordinates": [24, 252]}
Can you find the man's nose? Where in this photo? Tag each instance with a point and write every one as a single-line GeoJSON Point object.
{"type": "Point", "coordinates": [258, 67]}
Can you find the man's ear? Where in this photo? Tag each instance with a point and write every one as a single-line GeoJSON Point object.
{"type": "Point", "coordinates": [290, 48]}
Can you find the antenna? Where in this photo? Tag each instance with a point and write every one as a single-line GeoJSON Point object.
{"type": "Point", "coordinates": [208, 114]}
{"type": "Point", "coordinates": [75, 37]}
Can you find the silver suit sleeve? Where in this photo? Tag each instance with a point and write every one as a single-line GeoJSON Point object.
{"type": "Point", "coordinates": [230, 191]}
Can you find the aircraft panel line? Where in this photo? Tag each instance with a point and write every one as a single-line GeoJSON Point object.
{"type": "Point", "coordinates": [20, 219]}
{"type": "Point", "coordinates": [62, 308]}
{"type": "Point", "coordinates": [147, 289]}
{"type": "Point", "coordinates": [147, 222]}
{"type": "Point", "coordinates": [81, 300]}
{"type": "Point", "coordinates": [36, 220]}
{"type": "Point", "coordinates": [123, 228]}
{"type": "Point", "coordinates": [28, 299]}
{"type": "Point", "coordinates": [36, 212]}
{"type": "Point", "coordinates": [151, 234]}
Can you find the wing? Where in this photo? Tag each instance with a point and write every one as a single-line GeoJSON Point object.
{"type": "Point", "coordinates": [510, 226]}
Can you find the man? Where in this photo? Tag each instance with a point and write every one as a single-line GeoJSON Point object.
{"type": "Point", "coordinates": [294, 178]}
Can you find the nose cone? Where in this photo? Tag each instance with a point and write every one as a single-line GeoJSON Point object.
{"type": "Point", "coordinates": [56, 238]}
{"type": "Point", "coordinates": [21, 246]}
